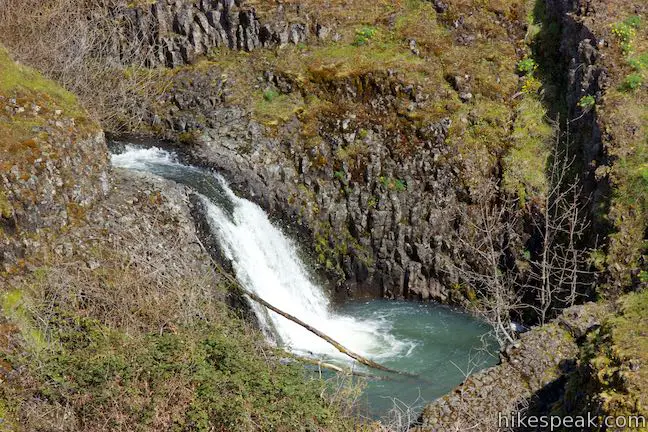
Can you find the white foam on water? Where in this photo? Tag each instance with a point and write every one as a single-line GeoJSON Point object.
{"type": "Point", "coordinates": [142, 159]}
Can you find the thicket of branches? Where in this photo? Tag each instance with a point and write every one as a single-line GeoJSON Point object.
{"type": "Point", "coordinates": [529, 279]}
{"type": "Point", "coordinates": [77, 43]}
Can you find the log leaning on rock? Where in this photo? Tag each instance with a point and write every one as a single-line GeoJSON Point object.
{"type": "Point", "coordinates": [365, 361]}
{"type": "Point", "coordinates": [237, 286]}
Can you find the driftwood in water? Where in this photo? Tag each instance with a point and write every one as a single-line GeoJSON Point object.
{"type": "Point", "coordinates": [365, 361]}
{"type": "Point", "coordinates": [324, 365]}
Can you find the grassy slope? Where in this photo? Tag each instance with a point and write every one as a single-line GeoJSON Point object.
{"type": "Point", "coordinates": [30, 89]}
{"type": "Point", "coordinates": [624, 114]}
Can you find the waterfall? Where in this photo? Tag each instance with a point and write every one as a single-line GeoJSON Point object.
{"type": "Point", "coordinates": [266, 262]}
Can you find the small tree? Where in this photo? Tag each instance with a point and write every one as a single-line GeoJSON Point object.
{"type": "Point", "coordinates": [555, 274]}
{"type": "Point", "coordinates": [559, 273]}
{"type": "Point", "coordinates": [485, 239]}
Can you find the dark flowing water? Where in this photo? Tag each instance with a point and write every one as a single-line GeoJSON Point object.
{"type": "Point", "coordinates": [436, 343]}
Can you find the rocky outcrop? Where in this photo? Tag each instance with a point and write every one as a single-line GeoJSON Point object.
{"type": "Point", "coordinates": [53, 167]}
{"type": "Point", "coordinates": [381, 218]}
{"type": "Point", "coordinates": [530, 377]}
{"type": "Point", "coordinates": [173, 32]}
{"type": "Point", "coordinates": [369, 172]}
{"type": "Point", "coordinates": [585, 76]}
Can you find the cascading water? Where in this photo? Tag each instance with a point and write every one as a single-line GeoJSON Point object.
{"type": "Point", "coordinates": [426, 339]}
{"type": "Point", "coordinates": [266, 263]}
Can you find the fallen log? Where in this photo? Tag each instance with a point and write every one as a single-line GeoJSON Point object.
{"type": "Point", "coordinates": [335, 368]}
{"type": "Point", "coordinates": [365, 361]}
{"type": "Point", "coordinates": [237, 286]}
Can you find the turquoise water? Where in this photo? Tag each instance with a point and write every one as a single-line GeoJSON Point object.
{"type": "Point", "coordinates": [446, 345]}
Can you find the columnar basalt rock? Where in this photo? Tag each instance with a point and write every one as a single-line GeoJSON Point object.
{"type": "Point", "coordinates": [387, 218]}
{"type": "Point", "coordinates": [173, 32]}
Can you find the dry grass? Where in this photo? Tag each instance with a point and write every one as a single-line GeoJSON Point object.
{"type": "Point", "coordinates": [70, 42]}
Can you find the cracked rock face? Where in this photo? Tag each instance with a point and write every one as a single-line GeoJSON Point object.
{"type": "Point", "coordinates": [173, 33]}
{"type": "Point", "coordinates": [382, 222]}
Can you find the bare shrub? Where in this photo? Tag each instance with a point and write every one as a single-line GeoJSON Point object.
{"type": "Point", "coordinates": [509, 282]}
{"type": "Point", "coordinates": [77, 44]}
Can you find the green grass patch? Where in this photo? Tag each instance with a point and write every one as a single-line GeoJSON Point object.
{"type": "Point", "coordinates": [207, 377]}
{"type": "Point", "coordinates": [16, 306]}
{"type": "Point", "coordinates": [272, 107]}
{"type": "Point", "coordinates": [270, 94]}
{"type": "Point", "coordinates": [15, 78]}
{"type": "Point", "coordinates": [364, 35]}
{"type": "Point", "coordinates": [632, 82]}
{"type": "Point", "coordinates": [526, 162]}
{"type": "Point", "coordinates": [639, 63]}
{"type": "Point", "coordinates": [340, 60]}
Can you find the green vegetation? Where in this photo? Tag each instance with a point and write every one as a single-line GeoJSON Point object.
{"type": "Point", "coordinates": [632, 82]}
{"type": "Point", "coordinates": [612, 368]}
{"type": "Point", "coordinates": [526, 161]}
{"type": "Point", "coordinates": [394, 184]}
{"type": "Point", "coordinates": [527, 66]}
{"type": "Point", "coordinates": [15, 306]}
{"type": "Point", "coordinates": [639, 63]}
{"type": "Point", "coordinates": [626, 31]}
{"type": "Point", "coordinates": [16, 79]}
{"type": "Point", "coordinates": [587, 102]}
{"type": "Point", "coordinates": [626, 115]}
{"type": "Point", "coordinates": [364, 35]}
{"type": "Point", "coordinates": [127, 348]}
{"type": "Point", "coordinates": [331, 246]}
{"type": "Point", "coordinates": [93, 368]}
{"type": "Point", "coordinates": [270, 94]}
{"type": "Point", "coordinates": [29, 89]}
{"type": "Point", "coordinates": [272, 108]}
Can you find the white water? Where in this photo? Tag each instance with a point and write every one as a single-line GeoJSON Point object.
{"type": "Point", "coordinates": [266, 262]}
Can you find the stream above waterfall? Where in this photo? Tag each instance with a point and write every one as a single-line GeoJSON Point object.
{"type": "Point", "coordinates": [437, 343]}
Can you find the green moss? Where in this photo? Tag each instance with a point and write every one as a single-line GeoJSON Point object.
{"type": "Point", "coordinates": [16, 307]}
{"type": "Point", "coordinates": [15, 78]}
{"type": "Point", "coordinates": [341, 60]}
{"type": "Point", "coordinates": [272, 108]}
{"type": "Point", "coordinates": [526, 162]}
